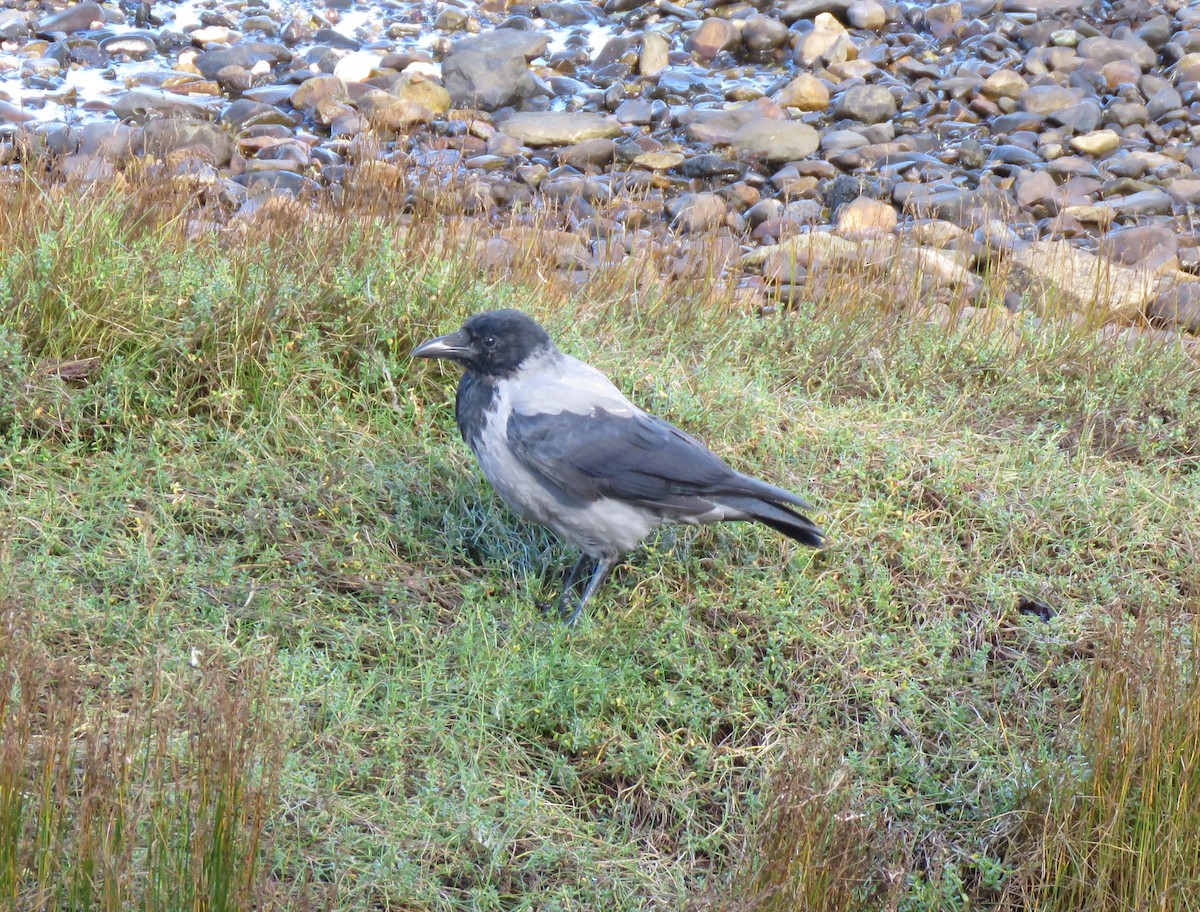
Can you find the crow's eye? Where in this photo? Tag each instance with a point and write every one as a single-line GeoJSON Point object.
{"type": "Point", "coordinates": [489, 342]}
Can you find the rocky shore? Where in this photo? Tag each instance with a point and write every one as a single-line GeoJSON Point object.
{"type": "Point", "coordinates": [1050, 141]}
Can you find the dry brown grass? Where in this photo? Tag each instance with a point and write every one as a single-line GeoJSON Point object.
{"type": "Point", "coordinates": [155, 795]}
{"type": "Point", "coordinates": [1116, 825]}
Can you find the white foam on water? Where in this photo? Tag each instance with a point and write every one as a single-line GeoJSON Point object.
{"type": "Point", "coordinates": [368, 21]}
{"type": "Point", "coordinates": [44, 106]}
{"type": "Point", "coordinates": [356, 66]}
{"type": "Point", "coordinates": [598, 35]}
{"type": "Point", "coordinates": [364, 21]}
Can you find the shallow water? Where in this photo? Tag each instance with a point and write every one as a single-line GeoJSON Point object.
{"type": "Point", "coordinates": [84, 93]}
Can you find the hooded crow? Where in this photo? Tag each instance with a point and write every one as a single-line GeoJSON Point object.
{"type": "Point", "coordinates": [566, 449]}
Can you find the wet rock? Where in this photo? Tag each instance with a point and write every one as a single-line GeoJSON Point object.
{"type": "Point", "coordinates": [14, 24]}
{"type": "Point", "coordinates": [764, 33]}
{"type": "Point", "coordinates": [451, 19]}
{"type": "Point", "coordinates": [1097, 144]}
{"type": "Point", "coordinates": [1068, 278]}
{"type": "Point", "coordinates": [1156, 32]}
{"type": "Point", "coordinates": [1144, 203]}
{"type": "Point", "coordinates": [713, 36]}
{"type": "Point", "coordinates": [838, 141]}
{"type": "Point", "coordinates": [655, 55]}
{"type": "Point", "coordinates": [1186, 190]}
{"type": "Point", "coordinates": [1105, 50]}
{"type": "Point", "coordinates": [590, 153]}
{"type": "Point", "coordinates": [712, 166]}
{"type": "Point", "coordinates": [1004, 84]}
{"type": "Point", "coordinates": [775, 140]}
{"type": "Point", "coordinates": [634, 111]}
{"type": "Point", "coordinates": [504, 42]}
{"type": "Point", "coordinates": [810, 9]}
{"type": "Point", "coordinates": [842, 190]}
{"type": "Point", "coordinates": [575, 192]}
{"type": "Point", "coordinates": [323, 97]}
{"type": "Point", "coordinates": [75, 18]}
{"type": "Point", "coordinates": [264, 24]}
{"type": "Point", "coordinates": [134, 45]}
{"type": "Point", "coordinates": [1145, 246]}
{"type": "Point", "coordinates": [245, 113]}
{"type": "Point", "coordinates": [356, 67]}
{"type": "Point", "coordinates": [1178, 306]}
{"type": "Point", "coordinates": [567, 13]}
{"type": "Point", "coordinates": [1013, 155]}
{"type": "Point", "coordinates": [869, 104]}
{"type": "Point", "coordinates": [479, 80]}
{"type": "Point", "coordinates": [388, 113]}
{"type": "Point", "coordinates": [1036, 188]}
{"type": "Point", "coordinates": [764, 210]}
{"type": "Point", "coordinates": [215, 35]}
{"type": "Point", "coordinates": [11, 114]}
{"type": "Point", "coordinates": [415, 88]}
{"type": "Point", "coordinates": [825, 45]}
{"type": "Point", "coordinates": [41, 68]}
{"type": "Point", "coordinates": [1165, 102]}
{"type": "Point", "coordinates": [1046, 99]}
{"type": "Point", "coordinates": [246, 55]}
{"type": "Point", "coordinates": [553, 128]}
{"type": "Point", "coordinates": [144, 104]}
{"type": "Point", "coordinates": [805, 92]}
{"type": "Point", "coordinates": [719, 127]}
{"type": "Point", "coordinates": [1081, 118]}
{"type": "Point", "coordinates": [866, 217]}
{"type": "Point", "coordinates": [866, 14]}
{"type": "Point", "coordinates": [208, 141]}
{"type": "Point", "coordinates": [697, 212]}
{"type": "Point", "coordinates": [941, 18]}
{"type": "Point", "coordinates": [659, 161]}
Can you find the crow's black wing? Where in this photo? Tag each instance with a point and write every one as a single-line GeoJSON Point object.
{"type": "Point", "coordinates": [631, 456]}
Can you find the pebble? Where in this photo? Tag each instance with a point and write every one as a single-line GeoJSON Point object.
{"type": "Point", "coordinates": [1098, 143]}
{"type": "Point", "coordinates": [806, 92]}
{"type": "Point", "coordinates": [1178, 306]}
{"type": "Point", "coordinates": [870, 104]}
{"type": "Point", "coordinates": [865, 217]}
{"type": "Point", "coordinates": [775, 140]}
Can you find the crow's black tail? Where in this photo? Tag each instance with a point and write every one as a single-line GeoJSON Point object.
{"type": "Point", "coordinates": [780, 518]}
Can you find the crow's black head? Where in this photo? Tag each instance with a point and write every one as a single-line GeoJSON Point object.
{"type": "Point", "coordinates": [493, 343]}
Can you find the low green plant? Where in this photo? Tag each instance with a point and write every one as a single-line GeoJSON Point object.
{"type": "Point", "coordinates": [214, 444]}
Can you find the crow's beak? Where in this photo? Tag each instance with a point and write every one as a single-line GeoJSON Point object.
{"type": "Point", "coordinates": [455, 346]}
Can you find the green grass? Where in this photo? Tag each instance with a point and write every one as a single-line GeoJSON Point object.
{"type": "Point", "coordinates": [218, 456]}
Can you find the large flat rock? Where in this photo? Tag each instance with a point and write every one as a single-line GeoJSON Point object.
{"type": "Point", "coordinates": [776, 140]}
{"type": "Point", "coordinates": [1057, 275]}
{"type": "Point", "coordinates": [555, 128]}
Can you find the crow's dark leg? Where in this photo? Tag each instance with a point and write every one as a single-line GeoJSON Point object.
{"type": "Point", "coordinates": [569, 585]}
{"type": "Point", "coordinates": [604, 567]}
